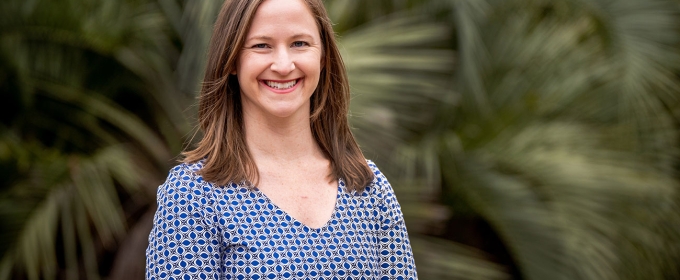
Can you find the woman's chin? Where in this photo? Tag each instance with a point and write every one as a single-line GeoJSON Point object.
{"type": "Point", "coordinates": [289, 114]}
{"type": "Point", "coordinates": [284, 113]}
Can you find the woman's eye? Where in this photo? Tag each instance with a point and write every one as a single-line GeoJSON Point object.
{"type": "Point", "coordinates": [298, 44]}
{"type": "Point", "coordinates": [259, 46]}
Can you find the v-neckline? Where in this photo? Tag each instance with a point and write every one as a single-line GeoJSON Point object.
{"type": "Point", "coordinates": [338, 197]}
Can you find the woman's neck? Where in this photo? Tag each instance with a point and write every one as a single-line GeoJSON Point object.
{"type": "Point", "coordinates": [280, 140]}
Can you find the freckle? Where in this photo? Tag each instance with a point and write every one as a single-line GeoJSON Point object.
{"type": "Point", "coordinates": [304, 196]}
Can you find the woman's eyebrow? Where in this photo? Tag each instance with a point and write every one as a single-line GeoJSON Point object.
{"type": "Point", "coordinates": [261, 37]}
{"type": "Point", "coordinates": [301, 35]}
{"type": "Point", "coordinates": [268, 38]}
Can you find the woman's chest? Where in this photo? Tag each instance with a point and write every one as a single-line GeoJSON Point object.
{"type": "Point", "coordinates": [258, 238]}
{"type": "Point", "coordinates": [312, 204]}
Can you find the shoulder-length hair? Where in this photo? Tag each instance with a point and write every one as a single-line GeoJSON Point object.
{"type": "Point", "coordinates": [223, 147]}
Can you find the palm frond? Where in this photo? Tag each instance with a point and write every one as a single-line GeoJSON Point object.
{"type": "Point", "coordinates": [70, 194]}
{"type": "Point", "coordinates": [574, 159]}
{"type": "Point", "coordinates": [395, 66]}
{"type": "Point", "coordinates": [442, 259]}
{"type": "Point", "coordinates": [104, 109]}
{"type": "Point", "coordinates": [601, 208]}
{"type": "Point", "coordinates": [473, 53]}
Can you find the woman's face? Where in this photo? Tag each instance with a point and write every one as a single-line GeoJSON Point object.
{"type": "Point", "coordinates": [279, 66]}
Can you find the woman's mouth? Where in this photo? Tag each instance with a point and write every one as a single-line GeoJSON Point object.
{"type": "Point", "coordinates": [281, 85]}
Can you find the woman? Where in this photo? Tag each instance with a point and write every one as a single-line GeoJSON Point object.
{"type": "Point", "coordinates": [277, 188]}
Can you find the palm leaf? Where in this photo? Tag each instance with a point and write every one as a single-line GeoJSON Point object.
{"type": "Point", "coordinates": [572, 165]}
{"type": "Point", "coordinates": [74, 192]}
{"type": "Point", "coordinates": [73, 61]}
{"type": "Point", "coordinates": [390, 78]}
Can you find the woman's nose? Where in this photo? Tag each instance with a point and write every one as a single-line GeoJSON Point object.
{"type": "Point", "coordinates": [283, 62]}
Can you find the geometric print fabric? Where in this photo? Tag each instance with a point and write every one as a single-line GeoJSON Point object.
{"type": "Point", "coordinates": [202, 231]}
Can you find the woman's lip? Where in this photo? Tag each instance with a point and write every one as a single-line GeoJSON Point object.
{"type": "Point", "coordinates": [282, 91]}
{"type": "Point", "coordinates": [280, 81]}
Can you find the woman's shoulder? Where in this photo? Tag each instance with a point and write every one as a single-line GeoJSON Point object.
{"type": "Point", "coordinates": [379, 186]}
{"type": "Point", "coordinates": [186, 194]}
{"type": "Point", "coordinates": [184, 178]}
{"type": "Point", "coordinates": [187, 172]}
{"type": "Point", "coordinates": [378, 176]}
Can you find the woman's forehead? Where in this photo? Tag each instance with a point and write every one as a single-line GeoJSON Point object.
{"type": "Point", "coordinates": [283, 17]}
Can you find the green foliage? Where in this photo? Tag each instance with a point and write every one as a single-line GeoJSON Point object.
{"type": "Point", "coordinates": [562, 134]}
{"type": "Point", "coordinates": [76, 135]}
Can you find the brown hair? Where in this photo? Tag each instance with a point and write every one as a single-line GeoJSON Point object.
{"type": "Point", "coordinates": [220, 115]}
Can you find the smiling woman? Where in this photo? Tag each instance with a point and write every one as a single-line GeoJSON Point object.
{"type": "Point", "coordinates": [277, 187]}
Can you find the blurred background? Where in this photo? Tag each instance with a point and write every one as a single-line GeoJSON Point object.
{"type": "Point", "coordinates": [526, 139]}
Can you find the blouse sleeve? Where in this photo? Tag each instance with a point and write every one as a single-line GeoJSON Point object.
{"type": "Point", "coordinates": [184, 241]}
{"type": "Point", "coordinates": [396, 255]}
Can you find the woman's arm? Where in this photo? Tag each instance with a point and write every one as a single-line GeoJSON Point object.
{"type": "Point", "coordinates": [185, 240]}
{"type": "Point", "coordinates": [396, 255]}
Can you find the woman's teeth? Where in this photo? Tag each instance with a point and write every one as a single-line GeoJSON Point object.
{"type": "Point", "coordinates": [286, 85]}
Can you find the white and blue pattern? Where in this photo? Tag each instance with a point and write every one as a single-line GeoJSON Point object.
{"type": "Point", "coordinates": [202, 231]}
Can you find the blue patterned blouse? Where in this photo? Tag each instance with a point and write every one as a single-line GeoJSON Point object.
{"type": "Point", "coordinates": [202, 231]}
